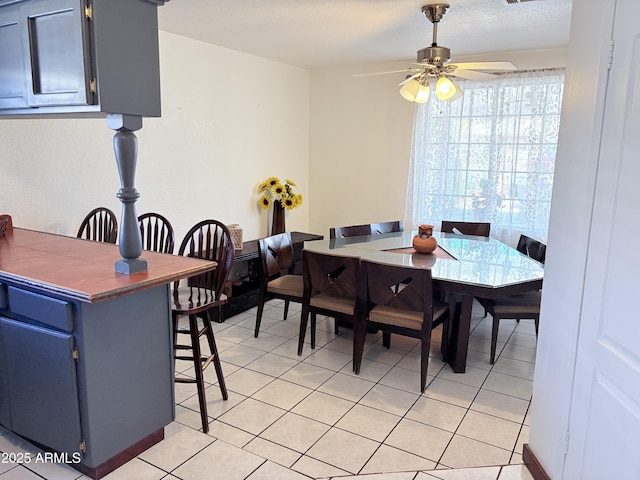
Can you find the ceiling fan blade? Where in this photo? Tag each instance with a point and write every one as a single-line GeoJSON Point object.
{"type": "Point", "coordinates": [491, 66]}
{"type": "Point", "coordinates": [472, 75]}
{"type": "Point", "coordinates": [406, 70]}
{"type": "Point", "coordinates": [415, 75]}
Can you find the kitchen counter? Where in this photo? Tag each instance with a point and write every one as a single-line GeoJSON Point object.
{"type": "Point", "coordinates": [83, 269]}
{"type": "Point", "coordinates": [86, 354]}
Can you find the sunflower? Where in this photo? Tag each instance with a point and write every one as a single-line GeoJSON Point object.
{"type": "Point", "coordinates": [265, 202]}
{"type": "Point", "coordinates": [277, 189]}
{"type": "Point", "coordinates": [272, 181]}
{"type": "Point", "coordinates": [273, 190]}
{"type": "Point", "coordinates": [289, 203]}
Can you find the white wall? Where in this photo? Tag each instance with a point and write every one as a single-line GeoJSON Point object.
{"type": "Point", "coordinates": [567, 260]}
{"type": "Point", "coordinates": [361, 130]}
{"type": "Point", "coordinates": [229, 121]}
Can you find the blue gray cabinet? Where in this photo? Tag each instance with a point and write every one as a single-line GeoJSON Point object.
{"type": "Point", "coordinates": [86, 57]}
{"type": "Point", "coordinates": [86, 379]}
{"type": "Point", "coordinates": [86, 357]}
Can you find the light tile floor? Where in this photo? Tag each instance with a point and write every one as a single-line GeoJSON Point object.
{"type": "Point", "coordinates": [290, 417]}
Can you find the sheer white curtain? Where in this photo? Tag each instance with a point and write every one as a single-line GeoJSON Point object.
{"type": "Point", "coordinates": [488, 156]}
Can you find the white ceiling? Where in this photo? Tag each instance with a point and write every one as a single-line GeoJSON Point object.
{"type": "Point", "coordinates": [324, 33]}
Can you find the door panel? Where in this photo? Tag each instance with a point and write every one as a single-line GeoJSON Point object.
{"type": "Point", "coordinates": [57, 43]}
{"type": "Point", "coordinates": [12, 72]}
{"type": "Point", "coordinates": [42, 384]}
{"type": "Point", "coordinates": [605, 407]}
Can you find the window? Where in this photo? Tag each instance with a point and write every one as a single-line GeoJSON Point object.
{"type": "Point", "coordinates": [488, 156]}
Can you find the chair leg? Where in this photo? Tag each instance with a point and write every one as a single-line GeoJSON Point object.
{"type": "Point", "coordinates": [286, 309]}
{"type": "Point", "coordinates": [494, 338]}
{"type": "Point", "coordinates": [313, 330]}
{"type": "Point", "coordinates": [215, 357]}
{"type": "Point", "coordinates": [304, 318]}
{"type": "Point", "coordinates": [259, 317]}
{"type": "Point", "coordinates": [425, 343]}
{"type": "Point", "coordinates": [386, 339]}
{"type": "Point", "coordinates": [197, 364]}
{"type": "Point", "coordinates": [359, 334]}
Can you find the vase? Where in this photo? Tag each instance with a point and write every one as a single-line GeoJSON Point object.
{"type": "Point", "coordinates": [277, 224]}
{"type": "Point", "coordinates": [424, 241]}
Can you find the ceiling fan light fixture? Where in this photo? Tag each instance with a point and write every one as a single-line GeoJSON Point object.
{"type": "Point", "coordinates": [409, 90]}
{"type": "Point", "coordinates": [416, 91]}
{"type": "Point", "coordinates": [424, 93]}
{"type": "Point", "coordinates": [446, 89]}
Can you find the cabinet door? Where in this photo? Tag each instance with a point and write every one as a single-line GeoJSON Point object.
{"type": "Point", "coordinates": [56, 39]}
{"type": "Point", "coordinates": [5, 412]}
{"type": "Point", "coordinates": [12, 71]}
{"type": "Point", "coordinates": [42, 384]}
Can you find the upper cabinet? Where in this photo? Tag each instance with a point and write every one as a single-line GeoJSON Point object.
{"type": "Point", "coordinates": [81, 57]}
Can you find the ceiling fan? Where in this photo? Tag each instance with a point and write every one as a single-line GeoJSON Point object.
{"type": "Point", "coordinates": [433, 64]}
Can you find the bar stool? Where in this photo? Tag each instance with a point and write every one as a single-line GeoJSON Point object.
{"type": "Point", "coordinates": [99, 225]}
{"type": "Point", "coordinates": [207, 240]}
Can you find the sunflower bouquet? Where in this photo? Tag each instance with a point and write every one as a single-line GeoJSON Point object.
{"type": "Point", "coordinates": [272, 190]}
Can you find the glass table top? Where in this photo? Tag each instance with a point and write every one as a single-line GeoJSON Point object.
{"type": "Point", "coordinates": [480, 261]}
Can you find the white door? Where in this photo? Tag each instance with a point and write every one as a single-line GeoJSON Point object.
{"type": "Point", "coordinates": [605, 406]}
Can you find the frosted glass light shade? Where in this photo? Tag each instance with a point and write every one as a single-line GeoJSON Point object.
{"type": "Point", "coordinates": [424, 93]}
{"type": "Point", "coordinates": [410, 90]}
{"type": "Point", "coordinates": [414, 91]}
{"type": "Point", "coordinates": [445, 88]}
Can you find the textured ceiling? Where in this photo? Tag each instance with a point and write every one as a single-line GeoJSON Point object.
{"type": "Point", "coordinates": [324, 33]}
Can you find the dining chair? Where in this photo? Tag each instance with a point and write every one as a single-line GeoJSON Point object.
{"type": "Point", "coordinates": [100, 225]}
{"type": "Point", "coordinates": [156, 233]}
{"type": "Point", "coordinates": [351, 231]}
{"type": "Point", "coordinates": [411, 312]}
{"type": "Point", "coordinates": [521, 306]}
{"type": "Point", "coordinates": [276, 277]}
{"type": "Point", "coordinates": [207, 240]}
{"type": "Point", "coordinates": [532, 248]}
{"type": "Point", "coordinates": [332, 287]}
{"type": "Point", "coordinates": [480, 229]}
{"type": "Point", "coordinates": [387, 227]}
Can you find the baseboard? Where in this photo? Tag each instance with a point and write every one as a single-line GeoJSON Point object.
{"type": "Point", "coordinates": [130, 453]}
{"type": "Point", "coordinates": [533, 465]}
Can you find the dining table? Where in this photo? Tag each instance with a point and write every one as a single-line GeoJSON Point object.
{"type": "Point", "coordinates": [462, 267]}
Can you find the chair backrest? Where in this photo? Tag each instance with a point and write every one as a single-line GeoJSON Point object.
{"type": "Point", "coordinates": [480, 229]}
{"type": "Point", "coordinates": [334, 275]}
{"type": "Point", "coordinates": [276, 255]}
{"type": "Point", "coordinates": [386, 227]}
{"type": "Point", "coordinates": [156, 233]}
{"type": "Point", "coordinates": [209, 240]}
{"type": "Point", "coordinates": [99, 225]}
{"type": "Point", "coordinates": [415, 293]}
{"type": "Point", "coordinates": [532, 248]}
{"type": "Point", "coordinates": [351, 231]}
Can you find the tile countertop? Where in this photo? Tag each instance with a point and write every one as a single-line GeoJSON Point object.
{"type": "Point", "coordinates": [82, 269]}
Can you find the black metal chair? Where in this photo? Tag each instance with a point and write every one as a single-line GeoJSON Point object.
{"type": "Point", "coordinates": [207, 240]}
{"type": "Point", "coordinates": [411, 311]}
{"type": "Point", "coordinates": [100, 225]}
{"type": "Point", "coordinates": [520, 306]}
{"type": "Point", "coordinates": [480, 229]}
{"type": "Point", "coordinates": [276, 280]}
{"type": "Point", "coordinates": [156, 233]}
